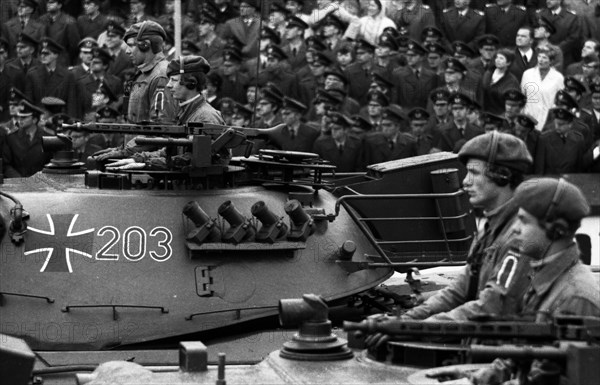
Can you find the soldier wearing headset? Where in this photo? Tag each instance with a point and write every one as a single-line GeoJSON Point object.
{"type": "Point", "coordinates": [494, 280]}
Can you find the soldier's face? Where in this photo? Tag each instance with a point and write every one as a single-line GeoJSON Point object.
{"type": "Point", "coordinates": [25, 121]}
{"type": "Point", "coordinates": [389, 128]}
{"type": "Point", "coordinates": [179, 91]}
{"type": "Point", "coordinates": [374, 109]}
{"type": "Point", "coordinates": [344, 58]}
{"type": "Point", "coordinates": [293, 6]}
{"type": "Point", "coordinates": [512, 108]}
{"type": "Point", "coordinates": [24, 51]}
{"type": "Point", "coordinates": [440, 108]}
{"type": "Point", "coordinates": [204, 29]}
{"type": "Point", "coordinates": [418, 127]}
{"type": "Point", "coordinates": [251, 94]}
{"type": "Point", "coordinates": [292, 32]}
{"type": "Point", "coordinates": [434, 60]}
{"type": "Point", "coordinates": [276, 18]}
{"type": "Point", "coordinates": [530, 236]}
{"type": "Point", "coordinates": [113, 40]}
{"type": "Point", "coordinates": [487, 52]}
{"type": "Point", "coordinates": [47, 57]}
{"type": "Point", "coordinates": [89, 7]}
{"type": "Point", "coordinates": [483, 193]}
{"type": "Point", "coordinates": [590, 69]}
{"type": "Point", "coordinates": [333, 82]}
{"type": "Point", "coordinates": [552, 4]}
{"type": "Point", "coordinates": [86, 57]}
{"type": "Point", "coordinates": [239, 120]}
{"type": "Point", "coordinates": [289, 117]}
{"type": "Point", "coordinates": [452, 77]}
{"type": "Point", "coordinates": [461, 4]}
{"type": "Point", "coordinates": [459, 112]}
{"type": "Point", "coordinates": [264, 108]}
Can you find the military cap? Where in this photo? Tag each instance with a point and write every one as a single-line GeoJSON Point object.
{"type": "Point", "coordinates": [462, 49]}
{"type": "Point", "coordinates": [208, 15]}
{"type": "Point", "coordinates": [340, 119]}
{"type": "Point", "coordinates": [380, 79]}
{"type": "Point", "coordinates": [338, 74]}
{"type": "Point", "coordinates": [540, 197]}
{"type": "Point", "coordinates": [361, 122]}
{"type": "Point", "coordinates": [16, 96]}
{"type": "Point", "coordinates": [454, 65]}
{"type": "Point", "coordinates": [378, 97]}
{"type": "Point", "coordinates": [527, 121]}
{"type": "Point", "coordinates": [253, 3]}
{"type": "Point", "coordinates": [149, 29]}
{"type": "Point", "coordinates": [51, 45]}
{"type": "Point", "coordinates": [416, 47]}
{"type": "Point", "coordinates": [418, 113]}
{"type": "Point", "coordinates": [488, 39]}
{"type": "Point", "coordinates": [515, 95]}
{"type": "Point", "coordinates": [314, 43]}
{"type": "Point", "coordinates": [547, 24]}
{"type": "Point", "coordinates": [270, 95]}
{"type": "Point", "coordinates": [53, 104]}
{"type": "Point", "coordinates": [26, 108]}
{"type": "Point", "coordinates": [440, 94]}
{"type": "Point", "coordinates": [107, 112]}
{"type": "Point", "coordinates": [335, 21]}
{"type": "Point", "coordinates": [232, 55]}
{"type": "Point", "coordinates": [562, 113]}
{"type": "Point", "coordinates": [105, 90]}
{"type": "Point", "coordinates": [271, 34]}
{"type": "Point", "coordinates": [115, 28]}
{"type": "Point", "coordinates": [364, 45]}
{"type": "Point", "coordinates": [26, 39]}
{"type": "Point", "coordinates": [460, 98]}
{"type": "Point", "coordinates": [338, 93]}
{"type": "Point", "coordinates": [275, 89]}
{"type": "Point", "coordinates": [191, 64]}
{"type": "Point", "coordinates": [393, 32]}
{"type": "Point", "coordinates": [510, 151]}
{"type": "Point", "coordinates": [29, 3]}
{"type": "Point", "coordinates": [436, 48]}
{"type": "Point", "coordinates": [4, 43]}
{"type": "Point", "coordinates": [327, 97]}
{"type": "Point", "coordinates": [594, 87]}
{"type": "Point", "coordinates": [294, 104]}
{"type": "Point", "coordinates": [490, 118]}
{"type": "Point", "coordinates": [190, 46]}
{"type": "Point", "coordinates": [294, 21]}
{"type": "Point", "coordinates": [102, 54]}
{"type": "Point", "coordinates": [323, 58]}
{"type": "Point", "coordinates": [132, 31]}
{"type": "Point", "coordinates": [276, 52]}
{"type": "Point", "coordinates": [431, 32]}
{"type": "Point", "coordinates": [240, 109]}
{"type": "Point", "coordinates": [393, 112]}
{"type": "Point", "coordinates": [563, 98]}
{"type": "Point", "coordinates": [387, 40]}
{"type": "Point", "coordinates": [278, 7]}
{"type": "Point", "coordinates": [234, 43]}
{"type": "Point", "coordinates": [572, 83]}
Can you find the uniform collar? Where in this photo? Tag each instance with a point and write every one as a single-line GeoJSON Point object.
{"type": "Point", "coordinates": [549, 269]}
{"type": "Point", "coordinates": [150, 65]}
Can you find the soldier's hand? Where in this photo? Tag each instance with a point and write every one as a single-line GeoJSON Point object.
{"type": "Point", "coordinates": [451, 375]}
{"type": "Point", "coordinates": [107, 154]}
{"type": "Point", "coordinates": [378, 339]}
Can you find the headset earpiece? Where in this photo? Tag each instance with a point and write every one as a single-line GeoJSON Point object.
{"type": "Point", "coordinates": [497, 176]}
{"type": "Point", "coordinates": [555, 227]}
{"type": "Point", "coordinates": [143, 45]}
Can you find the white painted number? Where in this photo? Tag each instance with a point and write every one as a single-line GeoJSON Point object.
{"type": "Point", "coordinates": [135, 244]}
{"type": "Point", "coordinates": [103, 254]}
{"type": "Point", "coordinates": [141, 246]}
{"type": "Point", "coordinates": [165, 244]}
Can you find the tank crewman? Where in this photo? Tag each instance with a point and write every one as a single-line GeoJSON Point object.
{"type": "Point", "coordinates": [455, 133]}
{"type": "Point", "coordinates": [295, 136]}
{"type": "Point", "coordinates": [25, 23]}
{"type": "Point", "coordinates": [391, 143]}
{"type": "Point", "coordinates": [504, 19]}
{"type": "Point", "coordinates": [340, 148]}
{"type": "Point", "coordinates": [92, 23]}
{"type": "Point", "coordinates": [563, 140]}
{"type": "Point", "coordinates": [461, 22]}
{"type": "Point", "coordinates": [26, 48]}
{"type": "Point", "coordinates": [62, 28]}
{"type": "Point", "coordinates": [187, 80]}
{"type": "Point", "coordinates": [22, 154]}
{"type": "Point", "coordinates": [568, 28]}
{"type": "Point", "coordinates": [115, 46]}
{"type": "Point", "coordinates": [52, 79]}
{"type": "Point", "coordinates": [495, 278]}
{"type": "Point", "coordinates": [524, 129]}
{"type": "Point", "coordinates": [10, 76]}
{"type": "Point", "coordinates": [550, 212]}
{"type": "Point", "coordinates": [86, 47]}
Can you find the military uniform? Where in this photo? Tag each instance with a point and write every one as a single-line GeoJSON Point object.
{"type": "Point", "coordinates": [64, 31]}
{"type": "Point", "coordinates": [504, 23]}
{"type": "Point", "coordinates": [560, 153]}
{"type": "Point", "coordinates": [414, 20]}
{"type": "Point", "coordinates": [464, 28]}
{"type": "Point", "coordinates": [452, 139]}
{"type": "Point", "coordinates": [302, 140]}
{"type": "Point", "coordinates": [89, 27]}
{"type": "Point", "coordinates": [213, 51]}
{"type": "Point", "coordinates": [377, 148]}
{"type": "Point", "coordinates": [568, 32]}
{"type": "Point", "coordinates": [13, 28]}
{"type": "Point", "coordinates": [60, 83]}
{"type": "Point", "coordinates": [346, 159]}
{"type": "Point", "coordinates": [10, 76]}
{"type": "Point", "coordinates": [23, 157]}
{"type": "Point", "coordinates": [120, 63]}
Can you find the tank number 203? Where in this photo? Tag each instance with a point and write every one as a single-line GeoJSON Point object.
{"type": "Point", "coordinates": [135, 243]}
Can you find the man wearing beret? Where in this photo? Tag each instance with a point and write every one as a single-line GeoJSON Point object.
{"type": "Point", "coordinates": [62, 28]}
{"type": "Point", "coordinates": [340, 148]}
{"type": "Point", "coordinates": [24, 22]}
{"type": "Point", "coordinates": [562, 150]}
{"type": "Point", "coordinates": [455, 133]}
{"type": "Point", "coordinates": [22, 154]}
{"type": "Point", "coordinates": [390, 143]}
{"type": "Point", "coordinates": [92, 23]}
{"type": "Point", "coordinates": [148, 99]}
{"type": "Point", "coordinates": [53, 79]}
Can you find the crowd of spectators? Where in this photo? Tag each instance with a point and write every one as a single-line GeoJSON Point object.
{"type": "Point", "coordinates": [356, 81]}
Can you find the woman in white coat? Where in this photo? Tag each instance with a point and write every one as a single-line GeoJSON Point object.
{"type": "Point", "coordinates": [540, 84]}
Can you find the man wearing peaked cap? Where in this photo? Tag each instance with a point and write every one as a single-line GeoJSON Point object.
{"type": "Point", "coordinates": [92, 82]}
{"type": "Point", "coordinates": [390, 143]}
{"type": "Point", "coordinates": [246, 28]}
{"type": "Point", "coordinates": [431, 34]}
{"type": "Point", "coordinates": [62, 28]}
{"type": "Point", "coordinates": [358, 73]}
{"type": "Point", "coordinates": [295, 47]}
{"type": "Point", "coordinates": [211, 45]}
{"type": "Point", "coordinates": [314, 43]}
{"type": "Point", "coordinates": [25, 22]}
{"type": "Point", "coordinates": [487, 46]}
{"type": "Point", "coordinates": [582, 120]}
{"type": "Point", "coordinates": [234, 81]}
{"type": "Point", "coordinates": [550, 213]}
{"type": "Point", "coordinates": [417, 81]}
{"type": "Point", "coordinates": [567, 28]}
{"type": "Point", "coordinates": [455, 133]}
{"type": "Point", "coordinates": [277, 72]}
{"type": "Point", "coordinates": [86, 46]}
{"type": "Point", "coordinates": [23, 155]}
{"type": "Point", "coordinates": [461, 22]}
{"type": "Point", "coordinates": [53, 79]}
{"type": "Point", "coordinates": [504, 21]}
{"type": "Point", "coordinates": [458, 80]}
{"type": "Point", "coordinates": [495, 165]}
{"type": "Point", "coordinates": [114, 44]}
{"type": "Point", "coordinates": [341, 149]}
{"type": "Point", "coordinates": [242, 115]}
{"type": "Point", "coordinates": [277, 18]}
{"type": "Point", "coordinates": [268, 105]}
{"type": "Point", "coordinates": [92, 23]}
{"type": "Point", "coordinates": [462, 51]}
{"type": "Point", "coordinates": [414, 17]}
{"type": "Point", "coordinates": [333, 30]}
{"type": "Point", "coordinates": [422, 130]}
{"type": "Point", "coordinates": [296, 135]}
{"type": "Point", "coordinates": [188, 48]}
{"type": "Point", "coordinates": [360, 126]}
{"type": "Point", "coordinates": [524, 129]}
{"type": "Point", "coordinates": [493, 122]}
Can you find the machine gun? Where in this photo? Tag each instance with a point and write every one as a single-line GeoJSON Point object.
{"type": "Point", "coordinates": [571, 342]}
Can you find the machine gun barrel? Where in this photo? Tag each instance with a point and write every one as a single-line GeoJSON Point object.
{"type": "Point", "coordinates": [518, 352]}
{"type": "Point", "coordinates": [130, 129]}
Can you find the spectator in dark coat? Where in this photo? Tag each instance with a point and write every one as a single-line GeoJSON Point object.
{"type": "Point", "coordinates": [525, 57]}
{"type": "Point", "coordinates": [92, 23]}
{"type": "Point", "coordinates": [25, 60]}
{"type": "Point", "coordinates": [341, 149]}
{"type": "Point", "coordinates": [497, 81]}
{"type": "Point", "coordinates": [504, 19]}
{"type": "Point", "coordinates": [415, 81]}
{"type": "Point", "coordinates": [455, 134]}
{"type": "Point", "coordinates": [114, 45]}
{"type": "Point", "coordinates": [62, 28]}
{"type": "Point", "coordinates": [23, 23]}
{"type": "Point", "coordinates": [10, 76]}
{"type": "Point", "coordinates": [462, 22]}
{"type": "Point", "coordinates": [568, 28]}
{"type": "Point", "coordinates": [295, 136]}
